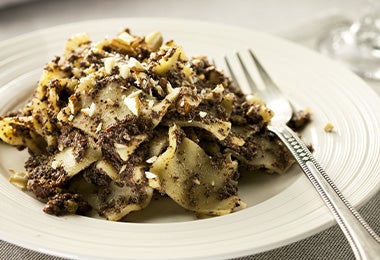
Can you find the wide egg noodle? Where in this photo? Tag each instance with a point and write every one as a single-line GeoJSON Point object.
{"type": "Point", "coordinates": [20, 131]}
{"type": "Point", "coordinates": [268, 154]}
{"type": "Point", "coordinates": [219, 128]}
{"type": "Point", "coordinates": [117, 198]}
{"type": "Point", "coordinates": [187, 175]}
{"type": "Point", "coordinates": [68, 161]}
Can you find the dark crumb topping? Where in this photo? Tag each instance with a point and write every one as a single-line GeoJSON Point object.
{"type": "Point", "coordinates": [72, 137]}
{"type": "Point", "coordinates": [96, 176]}
{"type": "Point", "coordinates": [44, 181]}
{"type": "Point", "coordinates": [299, 120]}
{"type": "Point", "coordinates": [66, 203]}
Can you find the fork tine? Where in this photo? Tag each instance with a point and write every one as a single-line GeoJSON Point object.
{"type": "Point", "coordinates": [263, 73]}
{"type": "Point", "coordinates": [248, 76]}
{"type": "Point", "coordinates": [231, 71]}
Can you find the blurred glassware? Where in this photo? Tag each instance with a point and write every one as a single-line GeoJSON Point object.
{"type": "Point", "coordinates": [358, 44]}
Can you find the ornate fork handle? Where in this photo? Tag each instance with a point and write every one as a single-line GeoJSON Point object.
{"type": "Point", "coordinates": [364, 241]}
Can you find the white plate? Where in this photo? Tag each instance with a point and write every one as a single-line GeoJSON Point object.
{"type": "Point", "coordinates": [282, 209]}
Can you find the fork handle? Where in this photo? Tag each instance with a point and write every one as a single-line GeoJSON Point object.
{"type": "Point", "coordinates": [364, 242]}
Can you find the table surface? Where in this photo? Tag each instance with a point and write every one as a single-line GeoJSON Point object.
{"type": "Point", "coordinates": [299, 21]}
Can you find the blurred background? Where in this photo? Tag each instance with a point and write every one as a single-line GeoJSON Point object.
{"type": "Point", "coordinates": [302, 21]}
{"type": "Point", "coordinates": [274, 16]}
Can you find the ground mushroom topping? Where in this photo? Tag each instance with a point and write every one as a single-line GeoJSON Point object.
{"type": "Point", "coordinates": [112, 122]}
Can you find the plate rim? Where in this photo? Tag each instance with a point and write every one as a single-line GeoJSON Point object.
{"type": "Point", "coordinates": [57, 27]}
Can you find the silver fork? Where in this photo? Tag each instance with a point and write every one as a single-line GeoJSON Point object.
{"type": "Point", "coordinates": [364, 242]}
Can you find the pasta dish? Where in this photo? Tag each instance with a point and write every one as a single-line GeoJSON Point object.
{"type": "Point", "coordinates": [112, 122]}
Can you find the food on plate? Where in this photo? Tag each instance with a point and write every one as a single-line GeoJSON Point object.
{"type": "Point", "coordinates": [329, 127]}
{"type": "Point", "coordinates": [112, 122]}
